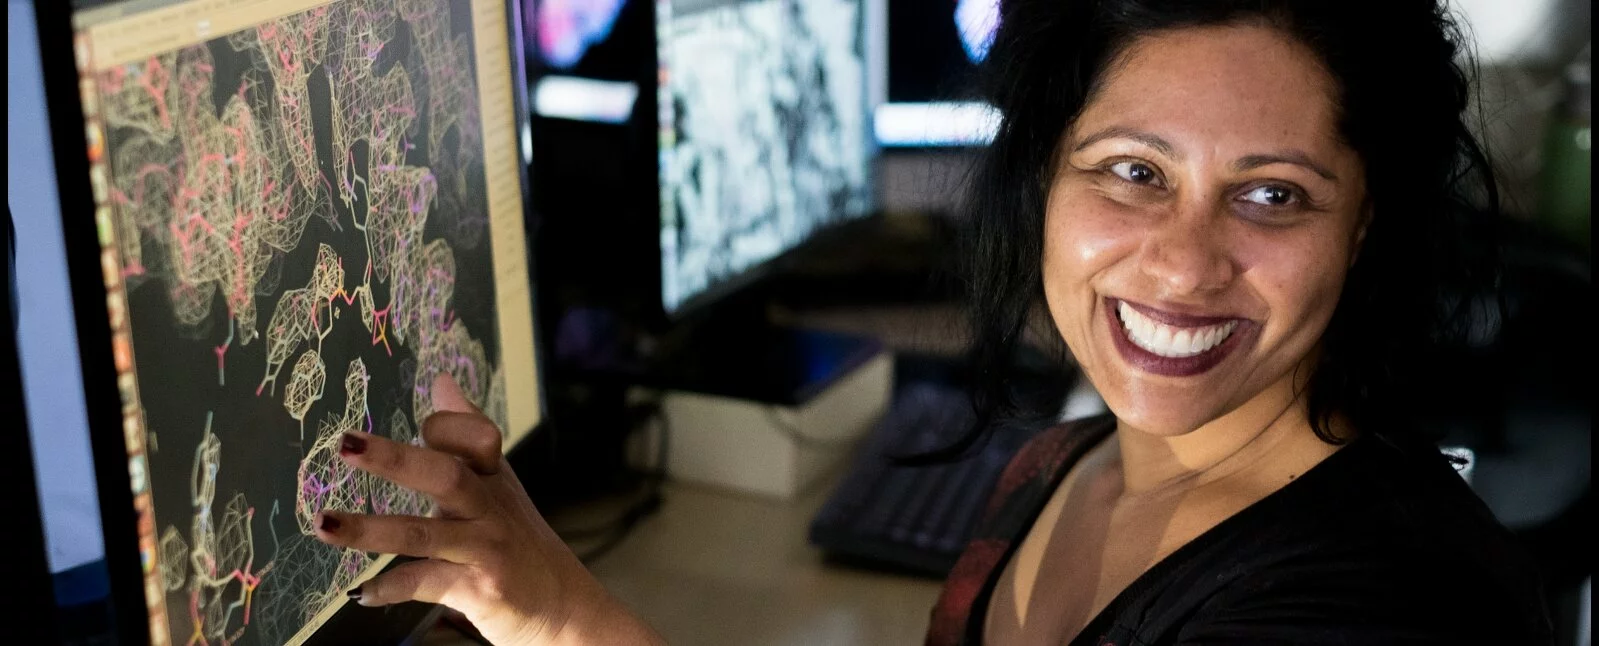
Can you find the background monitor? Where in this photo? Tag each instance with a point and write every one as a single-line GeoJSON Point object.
{"type": "Point", "coordinates": [47, 338]}
{"type": "Point", "coordinates": [595, 205]}
{"type": "Point", "coordinates": [763, 133]}
{"type": "Point", "coordinates": [933, 52]}
{"type": "Point", "coordinates": [586, 57]}
{"type": "Point", "coordinates": [280, 222]}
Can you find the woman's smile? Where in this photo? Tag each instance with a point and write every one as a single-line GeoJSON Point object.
{"type": "Point", "coordinates": [1172, 344]}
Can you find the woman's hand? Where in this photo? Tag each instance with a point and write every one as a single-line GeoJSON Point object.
{"type": "Point", "coordinates": [487, 552]}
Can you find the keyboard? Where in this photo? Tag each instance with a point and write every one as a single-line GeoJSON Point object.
{"type": "Point", "coordinates": [914, 519]}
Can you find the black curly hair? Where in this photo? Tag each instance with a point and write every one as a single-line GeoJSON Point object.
{"type": "Point", "coordinates": [1402, 89]}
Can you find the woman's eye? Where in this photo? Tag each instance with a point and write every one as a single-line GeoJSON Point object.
{"type": "Point", "coordinates": [1271, 196]}
{"type": "Point", "coordinates": [1135, 172]}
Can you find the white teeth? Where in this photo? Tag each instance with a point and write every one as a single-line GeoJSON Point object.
{"type": "Point", "coordinates": [1170, 341]}
{"type": "Point", "coordinates": [1182, 340]}
{"type": "Point", "coordinates": [1163, 338]}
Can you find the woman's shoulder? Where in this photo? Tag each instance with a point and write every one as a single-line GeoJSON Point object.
{"type": "Point", "coordinates": [1410, 497]}
{"type": "Point", "coordinates": [1032, 473]}
{"type": "Point", "coordinates": [1023, 487]}
{"type": "Point", "coordinates": [1044, 457]}
{"type": "Point", "coordinates": [1390, 540]}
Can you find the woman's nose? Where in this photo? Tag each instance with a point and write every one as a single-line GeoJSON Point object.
{"type": "Point", "coordinates": [1187, 254]}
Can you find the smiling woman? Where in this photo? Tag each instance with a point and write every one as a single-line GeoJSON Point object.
{"type": "Point", "coordinates": [1239, 216]}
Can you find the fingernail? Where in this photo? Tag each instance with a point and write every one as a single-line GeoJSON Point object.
{"type": "Point", "coordinates": [329, 523]}
{"type": "Point", "coordinates": [354, 594]}
{"type": "Point", "coordinates": [352, 445]}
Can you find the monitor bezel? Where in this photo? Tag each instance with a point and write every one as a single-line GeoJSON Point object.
{"type": "Point", "coordinates": [53, 21]}
{"type": "Point", "coordinates": [118, 520]}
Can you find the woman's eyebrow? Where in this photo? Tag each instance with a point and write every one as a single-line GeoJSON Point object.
{"type": "Point", "coordinates": [1148, 139]}
{"type": "Point", "coordinates": [1295, 157]}
{"type": "Point", "coordinates": [1245, 163]}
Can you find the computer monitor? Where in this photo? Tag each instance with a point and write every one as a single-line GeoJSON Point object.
{"type": "Point", "coordinates": [280, 221]}
{"type": "Point", "coordinates": [933, 51]}
{"type": "Point", "coordinates": [28, 567]}
{"type": "Point", "coordinates": [763, 134]}
{"type": "Point", "coordinates": [588, 58]}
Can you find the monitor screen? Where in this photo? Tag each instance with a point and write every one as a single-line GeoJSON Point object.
{"type": "Point", "coordinates": [763, 132]}
{"type": "Point", "coordinates": [933, 53]}
{"type": "Point", "coordinates": [306, 211]}
{"type": "Point", "coordinates": [587, 57]}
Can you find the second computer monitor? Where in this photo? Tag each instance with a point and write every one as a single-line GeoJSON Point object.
{"type": "Point", "coordinates": [763, 115]}
{"type": "Point", "coordinates": [933, 53]}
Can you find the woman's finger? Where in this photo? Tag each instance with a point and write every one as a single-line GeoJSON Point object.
{"type": "Point", "coordinates": [459, 427]}
{"type": "Point", "coordinates": [456, 541]}
{"type": "Point", "coordinates": [452, 484]}
{"type": "Point", "coordinates": [448, 396]}
{"type": "Point", "coordinates": [469, 436]}
{"type": "Point", "coordinates": [428, 581]}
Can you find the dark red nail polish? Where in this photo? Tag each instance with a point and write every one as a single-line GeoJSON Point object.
{"type": "Point", "coordinates": [354, 594]}
{"type": "Point", "coordinates": [352, 445]}
{"type": "Point", "coordinates": [329, 523]}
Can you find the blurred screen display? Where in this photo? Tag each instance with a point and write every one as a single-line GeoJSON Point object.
{"type": "Point", "coordinates": [763, 118]}
{"type": "Point", "coordinates": [567, 28]}
{"type": "Point", "coordinates": [586, 57]}
{"type": "Point", "coordinates": [929, 57]}
{"type": "Point", "coordinates": [933, 52]}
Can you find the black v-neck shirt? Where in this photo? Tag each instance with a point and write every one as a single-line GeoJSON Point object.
{"type": "Point", "coordinates": [1378, 544]}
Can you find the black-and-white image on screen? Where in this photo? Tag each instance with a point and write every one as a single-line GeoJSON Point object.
{"type": "Point", "coordinates": [764, 133]}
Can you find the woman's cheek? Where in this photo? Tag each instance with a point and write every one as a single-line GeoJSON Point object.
{"type": "Point", "coordinates": [1088, 231]}
{"type": "Point", "coordinates": [1299, 273]}
{"type": "Point", "coordinates": [1084, 244]}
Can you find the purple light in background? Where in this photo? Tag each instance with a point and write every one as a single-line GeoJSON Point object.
{"type": "Point", "coordinates": [976, 20]}
{"type": "Point", "coordinates": [566, 29]}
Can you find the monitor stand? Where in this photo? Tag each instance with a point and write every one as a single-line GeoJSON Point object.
{"type": "Point", "coordinates": [763, 408]}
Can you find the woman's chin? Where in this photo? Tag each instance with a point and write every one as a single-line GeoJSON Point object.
{"type": "Point", "coordinates": [1161, 420]}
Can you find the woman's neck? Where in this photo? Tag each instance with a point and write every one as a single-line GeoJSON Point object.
{"type": "Point", "coordinates": [1270, 435]}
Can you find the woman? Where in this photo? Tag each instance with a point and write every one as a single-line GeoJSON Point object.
{"type": "Point", "coordinates": [1240, 215]}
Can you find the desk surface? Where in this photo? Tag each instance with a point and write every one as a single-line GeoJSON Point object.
{"type": "Point", "coordinates": [714, 568]}
{"type": "Point", "coordinates": [718, 568]}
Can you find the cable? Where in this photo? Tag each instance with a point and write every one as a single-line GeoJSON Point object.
{"type": "Point", "coordinates": [634, 513]}
{"type": "Point", "coordinates": [618, 529]}
{"type": "Point", "coordinates": [625, 526]}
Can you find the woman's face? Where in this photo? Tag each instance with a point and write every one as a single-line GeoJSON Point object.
{"type": "Point", "coordinates": [1200, 224]}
